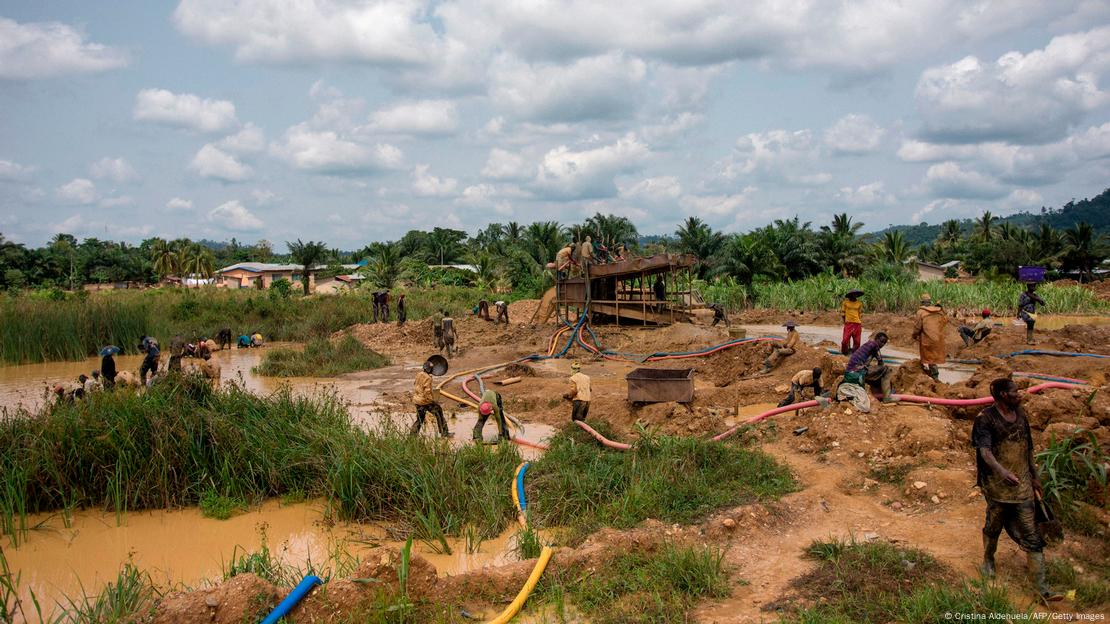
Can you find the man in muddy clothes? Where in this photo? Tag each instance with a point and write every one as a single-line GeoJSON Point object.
{"type": "Point", "coordinates": [787, 349]}
{"type": "Point", "coordinates": [423, 397]}
{"type": "Point", "coordinates": [859, 372]}
{"type": "Point", "coordinates": [579, 395]}
{"type": "Point", "coordinates": [491, 405]}
{"type": "Point", "coordinates": [149, 346]}
{"type": "Point", "coordinates": [808, 378]}
{"type": "Point", "coordinates": [718, 314]}
{"type": "Point", "coordinates": [223, 337]}
{"type": "Point", "coordinates": [1007, 477]}
{"type": "Point", "coordinates": [502, 309]}
{"type": "Point", "coordinates": [449, 335]}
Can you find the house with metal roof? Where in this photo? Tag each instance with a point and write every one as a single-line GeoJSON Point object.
{"type": "Point", "coordinates": [263, 274]}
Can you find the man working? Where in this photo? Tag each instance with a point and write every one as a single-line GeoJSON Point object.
{"type": "Point", "coordinates": [449, 334]}
{"type": "Point", "coordinates": [563, 260]}
{"type": "Point", "coordinates": [491, 404]}
{"type": "Point", "coordinates": [787, 349]}
{"type": "Point", "coordinates": [858, 371]}
{"type": "Point", "coordinates": [928, 331]}
{"type": "Point", "coordinates": [1008, 479]}
{"type": "Point", "coordinates": [223, 337]}
{"type": "Point", "coordinates": [976, 334]}
{"type": "Point", "coordinates": [210, 369]}
{"type": "Point", "coordinates": [586, 255]}
{"type": "Point", "coordinates": [108, 367]}
{"type": "Point", "coordinates": [383, 314]}
{"type": "Point", "coordinates": [718, 314]}
{"type": "Point", "coordinates": [808, 378]}
{"type": "Point", "coordinates": [423, 396]}
{"type": "Point", "coordinates": [579, 395]}
{"type": "Point", "coordinates": [502, 309]}
{"type": "Point", "coordinates": [851, 312]}
{"type": "Point", "coordinates": [482, 310]}
{"type": "Point", "coordinates": [1027, 309]}
{"type": "Point", "coordinates": [402, 314]}
{"type": "Point", "coordinates": [437, 328]}
{"type": "Point", "coordinates": [149, 346]}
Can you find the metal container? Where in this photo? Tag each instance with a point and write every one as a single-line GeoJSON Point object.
{"type": "Point", "coordinates": [658, 385]}
{"type": "Point", "coordinates": [737, 332]}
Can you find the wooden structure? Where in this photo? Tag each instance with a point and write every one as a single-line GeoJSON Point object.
{"type": "Point", "coordinates": [628, 291]}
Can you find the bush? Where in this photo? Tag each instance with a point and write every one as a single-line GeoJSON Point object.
{"type": "Point", "coordinates": [321, 358]}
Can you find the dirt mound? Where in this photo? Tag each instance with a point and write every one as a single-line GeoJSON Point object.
{"type": "Point", "coordinates": [417, 336]}
{"type": "Point", "coordinates": [728, 366]}
{"type": "Point", "coordinates": [517, 369]}
{"type": "Point", "coordinates": [1087, 338]}
{"type": "Point", "coordinates": [242, 598]}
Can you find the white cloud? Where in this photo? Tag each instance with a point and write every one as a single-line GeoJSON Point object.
{"type": "Point", "coordinates": [949, 180]}
{"type": "Point", "coordinates": [184, 110]}
{"type": "Point", "coordinates": [249, 140]}
{"type": "Point", "coordinates": [506, 165]}
{"type": "Point", "coordinates": [383, 32]}
{"type": "Point", "coordinates": [663, 188]}
{"type": "Point", "coordinates": [78, 191]}
{"type": "Point", "coordinates": [178, 204]}
{"type": "Point", "coordinates": [212, 162]}
{"type": "Point", "coordinates": [424, 117]}
{"type": "Point", "coordinates": [233, 215]}
{"type": "Point", "coordinates": [601, 87]}
{"type": "Point", "coordinates": [780, 155]}
{"type": "Point", "coordinates": [115, 202]}
{"type": "Point", "coordinates": [263, 197]}
{"type": "Point", "coordinates": [589, 173]}
{"type": "Point", "coordinates": [327, 152]}
{"type": "Point", "coordinates": [117, 170]}
{"type": "Point", "coordinates": [1020, 98]}
{"type": "Point", "coordinates": [717, 205]}
{"type": "Point", "coordinates": [11, 171]}
{"type": "Point", "coordinates": [854, 134]}
{"type": "Point", "coordinates": [45, 49]}
{"type": "Point", "coordinates": [424, 184]}
{"type": "Point", "coordinates": [872, 194]}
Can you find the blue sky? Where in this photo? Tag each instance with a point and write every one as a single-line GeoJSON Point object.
{"type": "Point", "coordinates": [357, 121]}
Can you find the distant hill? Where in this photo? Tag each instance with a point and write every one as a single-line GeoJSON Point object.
{"type": "Point", "coordinates": [1095, 211]}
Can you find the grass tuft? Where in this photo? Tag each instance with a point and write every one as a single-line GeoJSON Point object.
{"type": "Point", "coordinates": [321, 358]}
{"type": "Point", "coordinates": [220, 507]}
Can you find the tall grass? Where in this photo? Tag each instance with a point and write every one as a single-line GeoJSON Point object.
{"type": "Point", "coordinates": [34, 329]}
{"type": "Point", "coordinates": [825, 292]}
{"type": "Point", "coordinates": [674, 479]}
{"type": "Point", "coordinates": [321, 358]}
{"type": "Point", "coordinates": [171, 445]}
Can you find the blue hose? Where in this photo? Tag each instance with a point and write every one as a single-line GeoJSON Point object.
{"type": "Point", "coordinates": [295, 596]}
{"type": "Point", "coordinates": [520, 487]}
{"type": "Point", "coordinates": [1056, 353]}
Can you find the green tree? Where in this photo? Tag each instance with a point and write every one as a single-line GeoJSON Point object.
{"type": "Point", "coordinates": [164, 257]}
{"type": "Point", "coordinates": [444, 245]}
{"type": "Point", "coordinates": [612, 230]}
{"type": "Point", "coordinates": [308, 255]}
{"type": "Point", "coordinates": [893, 248]}
{"type": "Point", "coordinates": [384, 268]}
{"type": "Point", "coordinates": [840, 245]}
{"type": "Point", "coordinates": [984, 227]}
{"type": "Point", "coordinates": [1083, 250]}
{"type": "Point", "coordinates": [544, 239]}
{"type": "Point", "coordinates": [697, 237]}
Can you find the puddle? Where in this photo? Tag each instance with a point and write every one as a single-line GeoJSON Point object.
{"type": "Point", "coordinates": [1058, 321]}
{"type": "Point", "coordinates": [183, 547]}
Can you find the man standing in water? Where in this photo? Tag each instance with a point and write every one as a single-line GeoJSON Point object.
{"type": "Point", "coordinates": [149, 346]}
{"type": "Point", "coordinates": [1007, 477]}
{"type": "Point", "coordinates": [423, 396]}
{"type": "Point", "coordinates": [1027, 309]}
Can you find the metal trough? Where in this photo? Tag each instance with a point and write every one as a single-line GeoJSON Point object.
{"type": "Point", "coordinates": [657, 385]}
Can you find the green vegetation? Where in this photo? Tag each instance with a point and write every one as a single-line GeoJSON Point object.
{"type": "Point", "coordinates": [1090, 593]}
{"type": "Point", "coordinates": [641, 586]}
{"type": "Point", "coordinates": [880, 582]}
{"type": "Point", "coordinates": [170, 446]}
{"type": "Point", "coordinates": [218, 506]}
{"type": "Point", "coordinates": [1073, 473]}
{"type": "Point", "coordinates": [673, 479]}
{"type": "Point", "coordinates": [825, 292]}
{"type": "Point", "coordinates": [321, 358]}
{"type": "Point", "coordinates": [38, 329]}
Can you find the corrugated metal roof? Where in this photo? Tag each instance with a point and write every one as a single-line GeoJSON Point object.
{"type": "Point", "coordinates": [263, 267]}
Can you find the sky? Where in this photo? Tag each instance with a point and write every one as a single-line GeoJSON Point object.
{"type": "Point", "coordinates": [350, 122]}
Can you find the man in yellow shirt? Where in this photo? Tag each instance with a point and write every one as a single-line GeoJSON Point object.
{"type": "Point", "coordinates": [778, 354]}
{"type": "Point", "coordinates": [851, 311]}
{"type": "Point", "coordinates": [579, 395]}
{"type": "Point", "coordinates": [423, 396]}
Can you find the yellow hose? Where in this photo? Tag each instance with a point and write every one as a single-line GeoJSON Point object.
{"type": "Point", "coordinates": [515, 606]}
{"type": "Point", "coordinates": [516, 498]}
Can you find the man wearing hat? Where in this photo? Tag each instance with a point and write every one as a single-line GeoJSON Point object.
{"type": "Point", "coordinates": [786, 350]}
{"type": "Point", "coordinates": [928, 331]}
{"type": "Point", "coordinates": [423, 396]}
{"type": "Point", "coordinates": [851, 311]}
{"type": "Point", "coordinates": [976, 334]}
{"type": "Point", "coordinates": [491, 405]}
{"type": "Point", "coordinates": [579, 395]}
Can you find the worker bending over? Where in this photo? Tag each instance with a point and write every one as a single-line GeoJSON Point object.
{"type": "Point", "coordinates": [808, 378]}
{"type": "Point", "coordinates": [491, 405]}
{"type": "Point", "coordinates": [579, 395]}
{"type": "Point", "coordinates": [502, 309]}
{"type": "Point", "coordinates": [859, 370]}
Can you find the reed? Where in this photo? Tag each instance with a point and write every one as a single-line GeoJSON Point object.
{"type": "Point", "coordinates": [321, 358]}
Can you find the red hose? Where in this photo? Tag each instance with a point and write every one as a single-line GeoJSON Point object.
{"type": "Point", "coordinates": [620, 446]}
{"type": "Point", "coordinates": [767, 414]}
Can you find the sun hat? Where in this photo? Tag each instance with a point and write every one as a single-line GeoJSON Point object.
{"type": "Point", "coordinates": [575, 366]}
{"type": "Point", "coordinates": [790, 324]}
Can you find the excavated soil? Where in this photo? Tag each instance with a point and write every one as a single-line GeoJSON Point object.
{"type": "Point", "coordinates": [903, 473]}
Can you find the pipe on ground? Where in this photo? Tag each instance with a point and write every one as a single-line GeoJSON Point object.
{"type": "Point", "coordinates": [515, 606]}
{"type": "Point", "coordinates": [290, 601]}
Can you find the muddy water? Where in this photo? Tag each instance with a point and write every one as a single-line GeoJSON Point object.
{"type": "Point", "coordinates": [1049, 321]}
{"type": "Point", "coordinates": [183, 547]}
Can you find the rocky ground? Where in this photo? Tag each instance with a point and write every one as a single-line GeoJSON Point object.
{"type": "Point", "coordinates": [902, 473]}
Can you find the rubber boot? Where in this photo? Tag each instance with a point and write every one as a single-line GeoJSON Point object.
{"type": "Point", "coordinates": [1036, 569]}
{"type": "Point", "coordinates": [990, 545]}
{"type": "Point", "coordinates": [766, 367]}
{"type": "Point", "coordinates": [934, 372]}
{"type": "Point", "coordinates": [1029, 337]}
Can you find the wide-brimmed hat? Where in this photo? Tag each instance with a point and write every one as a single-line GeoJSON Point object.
{"type": "Point", "coordinates": [790, 324]}
{"type": "Point", "coordinates": [855, 291]}
{"type": "Point", "coordinates": [926, 297]}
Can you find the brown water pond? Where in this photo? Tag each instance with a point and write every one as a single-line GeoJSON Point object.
{"type": "Point", "coordinates": [182, 547]}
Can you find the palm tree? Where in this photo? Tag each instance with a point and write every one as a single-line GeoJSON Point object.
{"type": "Point", "coordinates": [198, 261]}
{"type": "Point", "coordinates": [843, 226]}
{"type": "Point", "coordinates": [384, 267]}
{"type": "Point", "coordinates": [612, 230]}
{"type": "Point", "coordinates": [1007, 231]}
{"type": "Point", "coordinates": [1083, 250]}
{"type": "Point", "coordinates": [1049, 244]}
{"type": "Point", "coordinates": [697, 237]}
{"type": "Point", "coordinates": [543, 240]}
{"type": "Point", "coordinates": [445, 245]}
{"type": "Point", "coordinates": [949, 233]}
{"type": "Point", "coordinates": [984, 226]}
{"type": "Point", "coordinates": [163, 257]}
{"type": "Point", "coordinates": [744, 257]}
{"type": "Point", "coordinates": [841, 246]}
{"type": "Point", "coordinates": [894, 248]}
{"type": "Point", "coordinates": [514, 232]}
{"type": "Point", "coordinates": [308, 255]}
